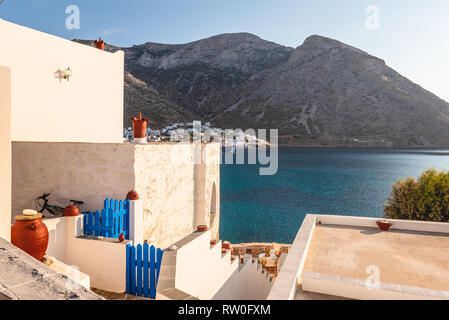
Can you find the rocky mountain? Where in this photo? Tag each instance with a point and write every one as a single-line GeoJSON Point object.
{"type": "Point", "coordinates": [141, 97]}
{"type": "Point", "coordinates": [324, 92]}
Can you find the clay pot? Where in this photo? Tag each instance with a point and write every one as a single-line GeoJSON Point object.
{"type": "Point", "coordinates": [140, 126]}
{"type": "Point", "coordinates": [30, 234]}
{"type": "Point", "coordinates": [201, 228]}
{"type": "Point", "coordinates": [228, 246]}
{"type": "Point", "coordinates": [384, 225]}
{"type": "Point", "coordinates": [121, 238]}
{"type": "Point", "coordinates": [99, 44]}
{"type": "Point", "coordinates": [132, 195]}
{"type": "Point", "coordinates": [71, 211]}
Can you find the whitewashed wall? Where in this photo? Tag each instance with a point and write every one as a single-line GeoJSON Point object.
{"type": "Point", "coordinates": [103, 260]}
{"type": "Point", "coordinates": [88, 108]}
{"type": "Point", "coordinates": [162, 174]}
{"type": "Point", "coordinates": [249, 282]}
{"type": "Point", "coordinates": [200, 270]}
{"type": "Point", "coordinates": [5, 151]}
{"type": "Point", "coordinates": [57, 238]}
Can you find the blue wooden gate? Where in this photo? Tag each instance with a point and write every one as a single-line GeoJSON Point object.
{"type": "Point", "coordinates": [143, 265]}
{"type": "Point", "coordinates": [110, 222]}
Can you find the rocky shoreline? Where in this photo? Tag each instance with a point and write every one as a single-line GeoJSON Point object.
{"type": "Point", "coordinates": [256, 248]}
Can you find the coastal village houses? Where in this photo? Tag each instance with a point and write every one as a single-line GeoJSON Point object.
{"type": "Point", "coordinates": [149, 224]}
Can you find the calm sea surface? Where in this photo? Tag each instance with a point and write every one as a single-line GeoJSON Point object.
{"type": "Point", "coordinates": [354, 182]}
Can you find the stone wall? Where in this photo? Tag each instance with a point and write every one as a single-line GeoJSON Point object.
{"type": "Point", "coordinates": [255, 249]}
{"type": "Point", "coordinates": [176, 193]}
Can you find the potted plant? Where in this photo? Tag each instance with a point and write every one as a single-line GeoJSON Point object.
{"type": "Point", "coordinates": [384, 224]}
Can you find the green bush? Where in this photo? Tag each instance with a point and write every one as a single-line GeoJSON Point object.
{"type": "Point", "coordinates": [425, 200]}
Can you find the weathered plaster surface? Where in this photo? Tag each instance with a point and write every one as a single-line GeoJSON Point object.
{"type": "Point", "coordinates": [176, 192]}
{"type": "Point", "coordinates": [81, 171]}
{"type": "Point", "coordinates": [24, 278]}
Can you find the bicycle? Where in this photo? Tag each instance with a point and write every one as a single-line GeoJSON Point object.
{"type": "Point", "coordinates": [55, 211]}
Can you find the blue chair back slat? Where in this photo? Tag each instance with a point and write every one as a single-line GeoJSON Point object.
{"type": "Point", "coordinates": [139, 270]}
{"type": "Point", "coordinates": [110, 215]}
{"type": "Point", "coordinates": [106, 204]}
{"type": "Point", "coordinates": [146, 279]}
{"type": "Point", "coordinates": [126, 221]}
{"type": "Point", "coordinates": [91, 223]}
{"type": "Point", "coordinates": [128, 268]}
{"type": "Point", "coordinates": [120, 224]}
{"type": "Point", "coordinates": [133, 270]}
{"type": "Point", "coordinates": [105, 223]}
{"type": "Point", "coordinates": [97, 223]}
{"type": "Point", "coordinates": [85, 222]}
{"type": "Point", "coordinates": [152, 272]}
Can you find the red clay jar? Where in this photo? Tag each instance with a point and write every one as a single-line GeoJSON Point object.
{"type": "Point", "coordinates": [201, 228]}
{"type": "Point", "coordinates": [384, 225]}
{"type": "Point", "coordinates": [228, 246]}
{"type": "Point", "coordinates": [71, 211]}
{"type": "Point", "coordinates": [140, 126]}
{"type": "Point", "coordinates": [30, 234]}
{"type": "Point", "coordinates": [132, 195]}
{"type": "Point", "coordinates": [99, 44]}
{"type": "Point", "coordinates": [121, 238]}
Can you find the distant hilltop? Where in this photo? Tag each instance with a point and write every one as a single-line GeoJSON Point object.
{"type": "Point", "coordinates": [324, 92]}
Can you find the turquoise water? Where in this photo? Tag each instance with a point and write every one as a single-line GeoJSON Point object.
{"type": "Point", "coordinates": [354, 182]}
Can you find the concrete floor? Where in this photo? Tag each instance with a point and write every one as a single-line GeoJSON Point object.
{"type": "Point", "coordinates": [403, 257]}
{"type": "Point", "coordinates": [117, 296]}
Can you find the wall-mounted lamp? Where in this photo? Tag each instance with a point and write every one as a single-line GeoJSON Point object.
{"type": "Point", "coordinates": [67, 74]}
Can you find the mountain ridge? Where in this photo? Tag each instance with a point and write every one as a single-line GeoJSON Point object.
{"type": "Point", "coordinates": [323, 92]}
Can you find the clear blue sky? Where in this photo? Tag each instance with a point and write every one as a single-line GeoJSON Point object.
{"type": "Point", "coordinates": [412, 36]}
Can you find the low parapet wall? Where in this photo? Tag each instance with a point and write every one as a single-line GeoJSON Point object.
{"type": "Point", "coordinates": [358, 289]}
{"type": "Point", "coordinates": [195, 269]}
{"type": "Point", "coordinates": [201, 270]}
{"type": "Point", "coordinates": [104, 260]}
{"type": "Point", "coordinates": [291, 274]}
{"type": "Point", "coordinates": [249, 282]}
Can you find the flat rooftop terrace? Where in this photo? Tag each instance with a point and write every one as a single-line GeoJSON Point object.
{"type": "Point", "coordinates": [334, 257]}
{"type": "Point", "coordinates": [410, 258]}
